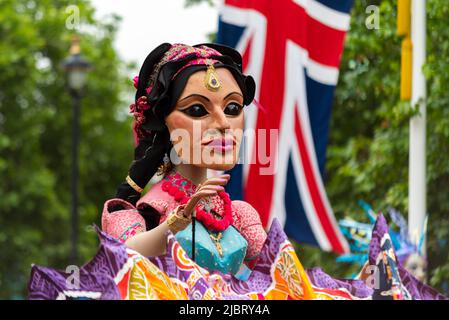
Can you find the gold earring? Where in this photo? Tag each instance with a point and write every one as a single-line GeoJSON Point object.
{"type": "Point", "coordinates": [165, 167]}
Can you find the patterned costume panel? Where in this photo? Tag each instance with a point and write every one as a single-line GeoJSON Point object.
{"type": "Point", "coordinates": [117, 272]}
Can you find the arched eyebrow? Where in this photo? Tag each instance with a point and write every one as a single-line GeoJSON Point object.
{"type": "Point", "coordinates": [231, 93]}
{"type": "Point", "coordinates": [195, 95]}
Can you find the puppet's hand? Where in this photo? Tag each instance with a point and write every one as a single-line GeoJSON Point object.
{"type": "Point", "coordinates": [209, 188]}
{"type": "Point", "coordinates": [181, 217]}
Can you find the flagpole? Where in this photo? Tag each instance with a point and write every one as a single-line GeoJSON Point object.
{"type": "Point", "coordinates": [417, 148]}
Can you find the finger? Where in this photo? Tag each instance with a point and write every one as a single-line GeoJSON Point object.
{"type": "Point", "coordinates": [224, 176]}
{"type": "Point", "coordinates": [221, 176]}
{"type": "Point", "coordinates": [191, 204]}
{"type": "Point", "coordinates": [215, 181]}
{"type": "Point", "coordinates": [211, 187]}
{"type": "Point", "coordinates": [205, 193]}
{"type": "Point", "coordinates": [221, 179]}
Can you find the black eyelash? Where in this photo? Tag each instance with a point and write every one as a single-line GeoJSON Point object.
{"type": "Point", "coordinates": [196, 111]}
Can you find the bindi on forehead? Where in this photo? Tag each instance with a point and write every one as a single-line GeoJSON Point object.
{"type": "Point", "coordinates": [196, 85]}
{"type": "Point", "coordinates": [211, 81]}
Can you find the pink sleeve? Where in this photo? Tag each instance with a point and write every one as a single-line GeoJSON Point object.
{"type": "Point", "coordinates": [159, 200]}
{"type": "Point", "coordinates": [247, 221]}
{"type": "Point", "coordinates": [158, 204]}
{"type": "Point", "coordinates": [121, 224]}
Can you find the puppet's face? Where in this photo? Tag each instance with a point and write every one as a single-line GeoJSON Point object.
{"type": "Point", "coordinates": [417, 266]}
{"type": "Point", "coordinates": [206, 127]}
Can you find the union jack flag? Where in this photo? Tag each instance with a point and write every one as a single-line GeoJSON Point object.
{"type": "Point", "coordinates": [292, 48]}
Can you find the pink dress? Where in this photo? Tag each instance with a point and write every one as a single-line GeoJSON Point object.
{"type": "Point", "coordinates": [127, 222]}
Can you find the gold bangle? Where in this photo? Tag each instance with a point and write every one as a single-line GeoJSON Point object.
{"type": "Point", "coordinates": [133, 184]}
{"type": "Point", "coordinates": [177, 222]}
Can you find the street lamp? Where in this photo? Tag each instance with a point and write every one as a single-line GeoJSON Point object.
{"type": "Point", "coordinates": [76, 68]}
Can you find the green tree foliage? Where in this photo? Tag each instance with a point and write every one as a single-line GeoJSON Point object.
{"type": "Point", "coordinates": [35, 127]}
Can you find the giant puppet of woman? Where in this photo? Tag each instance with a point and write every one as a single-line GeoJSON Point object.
{"type": "Point", "coordinates": [189, 119]}
{"type": "Point", "coordinates": [184, 238]}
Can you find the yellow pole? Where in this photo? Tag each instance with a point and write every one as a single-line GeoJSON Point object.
{"type": "Point", "coordinates": [403, 21]}
{"type": "Point", "coordinates": [404, 29]}
{"type": "Point", "coordinates": [406, 69]}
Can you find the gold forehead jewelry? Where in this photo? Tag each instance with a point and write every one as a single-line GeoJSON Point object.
{"type": "Point", "coordinates": [211, 79]}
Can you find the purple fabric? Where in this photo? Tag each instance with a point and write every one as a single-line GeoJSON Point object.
{"type": "Point", "coordinates": [97, 276]}
{"type": "Point", "coordinates": [380, 229]}
{"type": "Point", "coordinates": [356, 288]}
{"type": "Point", "coordinates": [359, 289]}
{"type": "Point", "coordinates": [416, 289]}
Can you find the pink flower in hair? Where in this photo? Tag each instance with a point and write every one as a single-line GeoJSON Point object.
{"type": "Point", "coordinates": [142, 103]}
{"type": "Point", "coordinates": [136, 81]}
{"type": "Point", "coordinates": [139, 108]}
{"type": "Point", "coordinates": [140, 119]}
{"type": "Point", "coordinates": [136, 84]}
{"type": "Point", "coordinates": [132, 108]}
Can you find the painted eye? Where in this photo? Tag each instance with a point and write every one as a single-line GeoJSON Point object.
{"type": "Point", "coordinates": [233, 109]}
{"type": "Point", "coordinates": [195, 111]}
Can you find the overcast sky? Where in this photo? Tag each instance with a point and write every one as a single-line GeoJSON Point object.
{"type": "Point", "coordinates": [148, 23]}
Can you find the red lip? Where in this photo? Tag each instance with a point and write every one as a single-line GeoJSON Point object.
{"type": "Point", "coordinates": [221, 142]}
{"type": "Point", "coordinates": [221, 145]}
